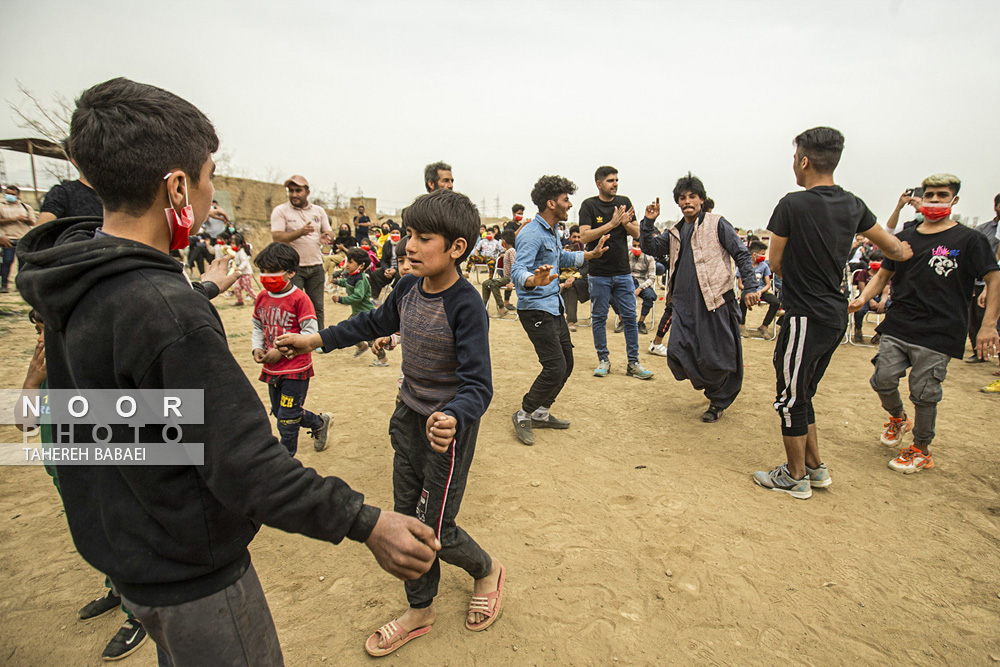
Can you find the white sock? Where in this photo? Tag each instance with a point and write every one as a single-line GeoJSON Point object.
{"type": "Point", "coordinates": [541, 414]}
{"type": "Point", "coordinates": [521, 414]}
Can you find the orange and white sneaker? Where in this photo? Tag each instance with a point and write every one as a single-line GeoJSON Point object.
{"type": "Point", "coordinates": [911, 460]}
{"type": "Point", "coordinates": [894, 430]}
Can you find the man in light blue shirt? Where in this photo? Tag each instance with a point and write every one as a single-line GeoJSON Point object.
{"type": "Point", "coordinates": [540, 307]}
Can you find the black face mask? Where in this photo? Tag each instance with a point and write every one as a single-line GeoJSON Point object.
{"type": "Point", "coordinates": [344, 233]}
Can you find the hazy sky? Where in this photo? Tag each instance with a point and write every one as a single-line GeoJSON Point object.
{"type": "Point", "coordinates": [364, 94]}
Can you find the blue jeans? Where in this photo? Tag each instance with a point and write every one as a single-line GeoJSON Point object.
{"type": "Point", "coordinates": [621, 289]}
{"type": "Point", "coordinates": [6, 261]}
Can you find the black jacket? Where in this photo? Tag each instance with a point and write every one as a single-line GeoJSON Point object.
{"type": "Point", "coordinates": [119, 314]}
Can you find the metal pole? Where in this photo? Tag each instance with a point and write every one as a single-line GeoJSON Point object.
{"type": "Point", "coordinates": [34, 178]}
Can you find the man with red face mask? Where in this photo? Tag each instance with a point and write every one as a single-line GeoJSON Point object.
{"type": "Point", "coordinates": [925, 327]}
{"type": "Point", "coordinates": [517, 219]}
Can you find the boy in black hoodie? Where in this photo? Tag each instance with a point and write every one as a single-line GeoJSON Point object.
{"type": "Point", "coordinates": [120, 314]}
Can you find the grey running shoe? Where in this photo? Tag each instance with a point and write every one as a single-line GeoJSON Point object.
{"type": "Point", "coordinates": [549, 422]}
{"type": "Point", "coordinates": [522, 427]}
{"type": "Point", "coordinates": [779, 479]}
{"type": "Point", "coordinates": [819, 477]}
{"type": "Point", "coordinates": [636, 370]}
{"type": "Point", "coordinates": [320, 434]}
{"type": "Point", "coordinates": [603, 368]}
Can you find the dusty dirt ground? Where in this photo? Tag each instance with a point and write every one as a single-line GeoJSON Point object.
{"type": "Point", "coordinates": [635, 537]}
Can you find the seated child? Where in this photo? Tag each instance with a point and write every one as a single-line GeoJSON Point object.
{"type": "Point", "coordinates": [446, 389]}
{"type": "Point", "coordinates": [879, 303]}
{"type": "Point", "coordinates": [359, 293]}
{"type": "Point", "coordinates": [762, 269]}
{"type": "Point", "coordinates": [643, 269]}
{"type": "Point", "coordinates": [487, 249]}
{"type": "Point", "coordinates": [493, 284]}
{"type": "Point", "coordinates": [281, 308]}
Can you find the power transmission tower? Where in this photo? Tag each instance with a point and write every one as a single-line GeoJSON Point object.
{"type": "Point", "coordinates": [483, 207]}
{"type": "Point", "coordinates": [496, 212]}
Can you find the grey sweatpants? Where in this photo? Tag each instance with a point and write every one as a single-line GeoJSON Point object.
{"type": "Point", "coordinates": [231, 628]}
{"type": "Point", "coordinates": [928, 370]}
{"type": "Point", "coordinates": [430, 486]}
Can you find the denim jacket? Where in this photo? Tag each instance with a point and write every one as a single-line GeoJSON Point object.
{"type": "Point", "coordinates": [538, 244]}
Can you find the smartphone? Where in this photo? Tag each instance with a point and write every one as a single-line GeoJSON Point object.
{"type": "Point", "coordinates": [918, 192]}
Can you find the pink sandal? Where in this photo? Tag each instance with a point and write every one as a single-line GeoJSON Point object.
{"type": "Point", "coordinates": [396, 637]}
{"type": "Point", "coordinates": [481, 605]}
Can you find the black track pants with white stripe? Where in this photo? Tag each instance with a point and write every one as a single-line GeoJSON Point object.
{"type": "Point", "coordinates": [430, 486]}
{"type": "Point", "coordinates": [801, 355]}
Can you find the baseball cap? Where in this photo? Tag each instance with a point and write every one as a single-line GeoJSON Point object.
{"type": "Point", "coordinates": [297, 180]}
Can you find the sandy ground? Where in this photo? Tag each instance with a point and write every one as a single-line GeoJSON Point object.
{"type": "Point", "coordinates": [635, 537]}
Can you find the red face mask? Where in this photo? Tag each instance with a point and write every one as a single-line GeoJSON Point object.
{"type": "Point", "coordinates": [758, 260]}
{"type": "Point", "coordinates": [274, 282]}
{"type": "Point", "coordinates": [636, 251]}
{"type": "Point", "coordinates": [875, 266]}
{"type": "Point", "coordinates": [935, 212]}
{"type": "Point", "coordinates": [518, 217]}
{"type": "Point", "coordinates": [180, 225]}
{"type": "Point", "coordinates": [489, 237]}
{"type": "Point", "coordinates": [235, 248]}
{"type": "Point", "coordinates": [394, 237]}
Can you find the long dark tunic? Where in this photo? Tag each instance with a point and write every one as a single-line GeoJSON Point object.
{"type": "Point", "coordinates": [705, 347]}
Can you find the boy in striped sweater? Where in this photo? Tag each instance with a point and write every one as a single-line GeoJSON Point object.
{"type": "Point", "coordinates": [446, 388]}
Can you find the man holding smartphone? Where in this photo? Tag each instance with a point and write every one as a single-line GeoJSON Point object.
{"type": "Point", "coordinates": [913, 197]}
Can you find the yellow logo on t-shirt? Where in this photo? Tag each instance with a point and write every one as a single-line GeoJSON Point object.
{"type": "Point", "coordinates": [600, 219]}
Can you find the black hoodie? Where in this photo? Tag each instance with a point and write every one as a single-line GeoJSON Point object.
{"type": "Point", "coordinates": [121, 315]}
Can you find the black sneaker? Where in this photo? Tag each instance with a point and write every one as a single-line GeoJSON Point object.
{"type": "Point", "coordinates": [320, 434]}
{"type": "Point", "coordinates": [128, 640]}
{"type": "Point", "coordinates": [100, 606]}
{"type": "Point", "coordinates": [619, 326]}
{"type": "Point", "coordinates": [549, 422]}
{"type": "Point", "coordinates": [523, 429]}
{"type": "Point", "coordinates": [642, 328]}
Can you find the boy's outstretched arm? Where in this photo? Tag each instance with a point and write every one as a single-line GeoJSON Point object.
{"type": "Point", "coordinates": [874, 287]}
{"type": "Point", "coordinates": [891, 247]}
{"type": "Point", "coordinates": [383, 321]}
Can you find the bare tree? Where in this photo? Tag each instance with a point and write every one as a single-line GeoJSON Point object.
{"type": "Point", "coordinates": [51, 121]}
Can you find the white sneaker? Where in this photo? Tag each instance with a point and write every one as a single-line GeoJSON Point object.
{"type": "Point", "coordinates": [659, 350]}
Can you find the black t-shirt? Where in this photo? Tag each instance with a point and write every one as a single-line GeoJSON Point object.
{"type": "Point", "coordinates": [820, 225]}
{"type": "Point", "coordinates": [70, 199]}
{"type": "Point", "coordinates": [596, 213]}
{"type": "Point", "coordinates": [932, 290]}
{"type": "Point", "coordinates": [512, 225]}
